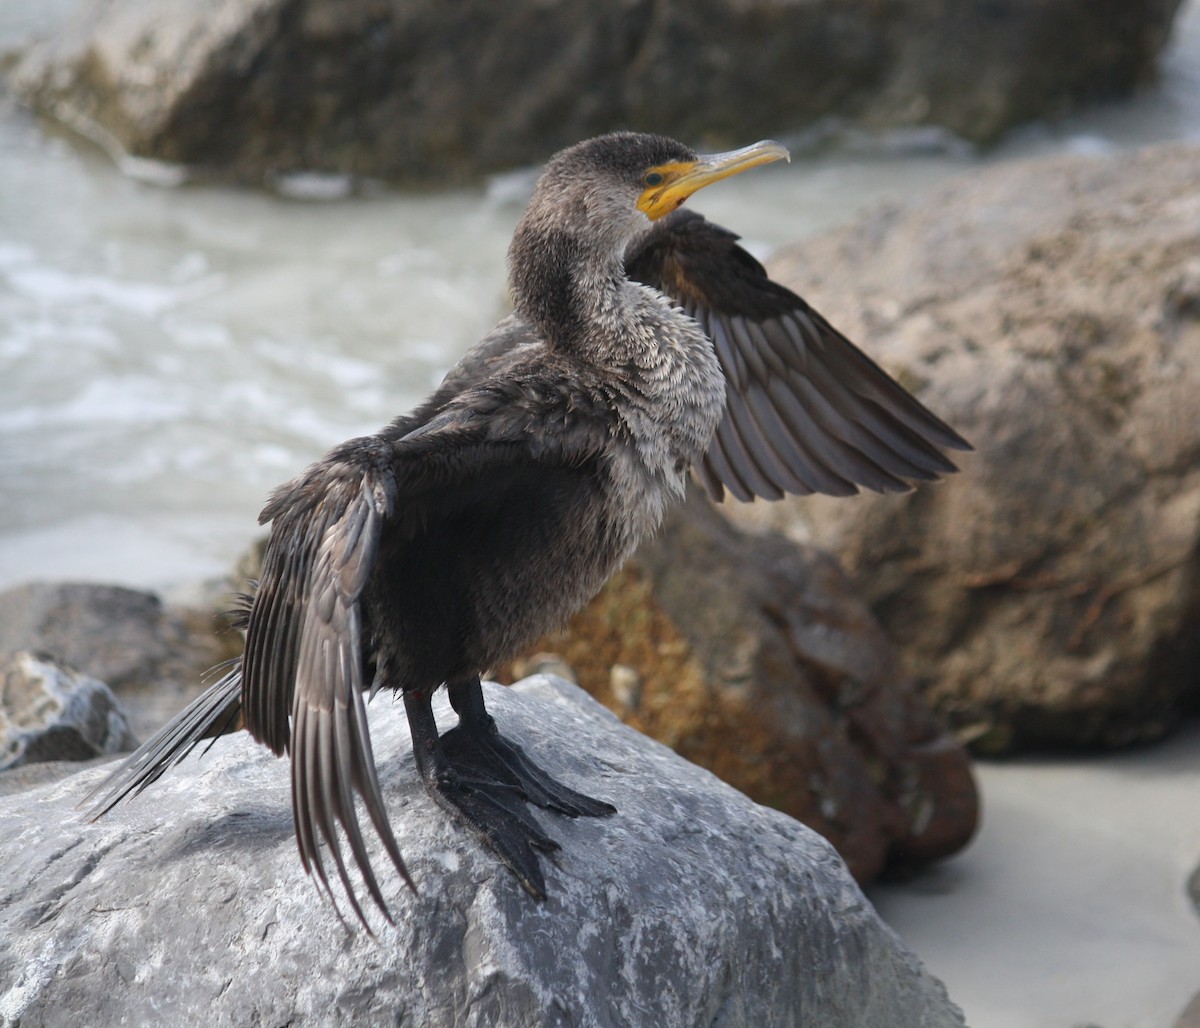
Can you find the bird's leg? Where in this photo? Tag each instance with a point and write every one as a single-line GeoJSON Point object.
{"type": "Point", "coordinates": [477, 748]}
{"type": "Point", "coordinates": [495, 811]}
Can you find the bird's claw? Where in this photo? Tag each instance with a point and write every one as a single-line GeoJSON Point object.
{"type": "Point", "coordinates": [487, 755]}
{"type": "Point", "coordinates": [497, 814]}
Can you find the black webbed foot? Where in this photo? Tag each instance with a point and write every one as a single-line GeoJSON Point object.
{"type": "Point", "coordinates": [478, 745]}
{"type": "Point", "coordinates": [486, 782]}
{"type": "Point", "coordinates": [498, 816]}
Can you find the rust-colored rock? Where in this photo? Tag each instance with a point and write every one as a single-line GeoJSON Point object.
{"type": "Point", "coordinates": [752, 657]}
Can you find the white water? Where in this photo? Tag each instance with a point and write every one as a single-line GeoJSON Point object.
{"type": "Point", "coordinates": [168, 355]}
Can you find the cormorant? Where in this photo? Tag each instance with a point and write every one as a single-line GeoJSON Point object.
{"type": "Point", "coordinates": [644, 342]}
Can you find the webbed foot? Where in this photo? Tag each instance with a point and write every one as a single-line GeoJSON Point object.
{"type": "Point", "coordinates": [478, 745]}
{"type": "Point", "coordinates": [486, 782]}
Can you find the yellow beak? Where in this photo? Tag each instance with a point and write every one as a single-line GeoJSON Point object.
{"type": "Point", "coordinates": [668, 185]}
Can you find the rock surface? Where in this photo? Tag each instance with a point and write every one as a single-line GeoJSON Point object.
{"type": "Point", "coordinates": [153, 655]}
{"type": "Point", "coordinates": [1050, 594]}
{"type": "Point", "coordinates": [417, 89]}
{"type": "Point", "coordinates": [690, 906]}
{"type": "Point", "coordinates": [50, 713]}
{"type": "Point", "coordinates": [1190, 1018]}
{"type": "Point", "coordinates": [754, 657]}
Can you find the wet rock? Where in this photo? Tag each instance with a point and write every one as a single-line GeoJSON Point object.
{"type": "Point", "coordinates": [151, 654]}
{"type": "Point", "coordinates": [690, 906]}
{"type": "Point", "coordinates": [753, 657]}
{"type": "Point", "coordinates": [50, 713]}
{"type": "Point", "coordinates": [1050, 310]}
{"type": "Point", "coordinates": [419, 90]}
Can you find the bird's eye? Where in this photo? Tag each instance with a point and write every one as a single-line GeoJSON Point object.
{"type": "Point", "coordinates": [653, 178]}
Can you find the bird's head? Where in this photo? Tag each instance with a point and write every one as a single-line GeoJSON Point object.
{"type": "Point", "coordinates": [608, 186]}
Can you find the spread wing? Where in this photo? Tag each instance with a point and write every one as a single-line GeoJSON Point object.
{"type": "Point", "coordinates": [304, 669]}
{"type": "Point", "coordinates": [806, 410]}
{"type": "Point", "coordinates": [307, 646]}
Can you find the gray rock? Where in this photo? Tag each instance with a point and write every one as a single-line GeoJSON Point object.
{"type": "Point", "coordinates": [30, 776]}
{"type": "Point", "coordinates": [1050, 310]}
{"type": "Point", "coordinates": [151, 654]}
{"type": "Point", "coordinates": [691, 906]}
{"type": "Point", "coordinates": [435, 91]}
{"type": "Point", "coordinates": [50, 713]}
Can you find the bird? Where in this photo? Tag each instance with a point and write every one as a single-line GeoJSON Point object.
{"type": "Point", "coordinates": [644, 344]}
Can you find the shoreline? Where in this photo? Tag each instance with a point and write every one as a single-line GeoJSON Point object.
{"type": "Point", "coordinates": [1071, 906]}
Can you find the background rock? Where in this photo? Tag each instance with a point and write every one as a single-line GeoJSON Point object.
{"type": "Point", "coordinates": [154, 656]}
{"type": "Point", "coordinates": [754, 657]}
{"type": "Point", "coordinates": [690, 906]}
{"type": "Point", "coordinates": [1190, 1018]}
{"type": "Point", "coordinates": [49, 713]}
{"type": "Point", "coordinates": [1049, 595]}
{"type": "Point", "coordinates": [417, 89]}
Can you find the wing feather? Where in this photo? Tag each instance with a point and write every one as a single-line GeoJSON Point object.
{"type": "Point", "coordinates": [719, 470]}
{"type": "Point", "coordinates": [741, 443]}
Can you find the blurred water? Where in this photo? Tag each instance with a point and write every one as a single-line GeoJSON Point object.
{"type": "Point", "coordinates": [167, 355]}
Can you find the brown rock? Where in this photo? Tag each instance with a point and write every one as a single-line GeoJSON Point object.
{"type": "Point", "coordinates": [752, 657]}
{"type": "Point", "coordinates": [1050, 594]}
{"type": "Point", "coordinates": [420, 90]}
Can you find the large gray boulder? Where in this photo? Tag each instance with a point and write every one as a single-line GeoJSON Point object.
{"type": "Point", "coordinates": [691, 906]}
{"type": "Point", "coordinates": [1050, 310]}
{"type": "Point", "coordinates": [435, 91]}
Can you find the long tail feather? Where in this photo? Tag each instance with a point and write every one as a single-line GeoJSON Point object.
{"type": "Point", "coordinates": [214, 712]}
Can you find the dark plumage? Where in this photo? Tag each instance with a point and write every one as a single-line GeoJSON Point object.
{"type": "Point", "coordinates": [460, 533]}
